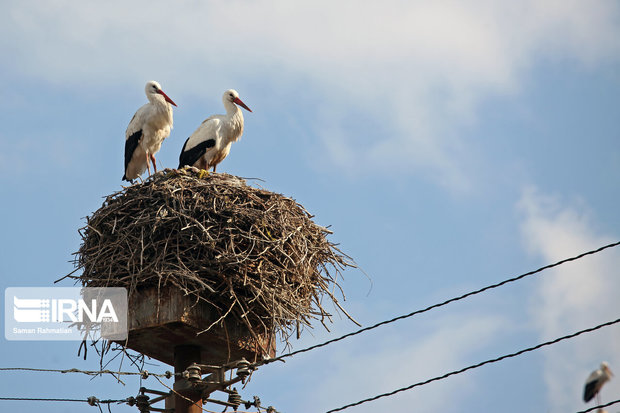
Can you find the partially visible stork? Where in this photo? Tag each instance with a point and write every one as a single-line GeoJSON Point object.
{"type": "Point", "coordinates": [210, 143]}
{"type": "Point", "coordinates": [147, 130]}
{"type": "Point", "coordinates": [595, 381]}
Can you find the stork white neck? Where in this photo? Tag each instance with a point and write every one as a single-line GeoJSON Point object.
{"type": "Point", "coordinates": [157, 99]}
{"type": "Point", "coordinates": [231, 108]}
{"type": "Point", "coordinates": [233, 123]}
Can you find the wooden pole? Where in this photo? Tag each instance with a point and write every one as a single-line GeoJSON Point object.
{"type": "Point", "coordinates": [183, 357]}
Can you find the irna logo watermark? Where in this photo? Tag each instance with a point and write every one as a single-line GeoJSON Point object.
{"type": "Point", "coordinates": [65, 313]}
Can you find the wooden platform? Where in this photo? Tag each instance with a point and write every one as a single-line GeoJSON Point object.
{"type": "Point", "coordinates": [158, 321]}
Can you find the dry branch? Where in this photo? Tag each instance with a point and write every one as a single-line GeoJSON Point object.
{"type": "Point", "coordinates": [255, 256]}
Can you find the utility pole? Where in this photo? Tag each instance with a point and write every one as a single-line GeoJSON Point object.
{"type": "Point", "coordinates": [184, 356]}
{"type": "Point", "coordinates": [167, 325]}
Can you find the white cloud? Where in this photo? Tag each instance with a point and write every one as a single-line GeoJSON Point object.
{"type": "Point", "coordinates": [572, 297]}
{"type": "Point", "coordinates": [418, 70]}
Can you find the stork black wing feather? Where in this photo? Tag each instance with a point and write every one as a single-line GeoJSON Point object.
{"type": "Point", "coordinates": [590, 390]}
{"type": "Point", "coordinates": [190, 156]}
{"type": "Point", "coordinates": [130, 146]}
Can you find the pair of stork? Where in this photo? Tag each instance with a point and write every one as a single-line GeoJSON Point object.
{"type": "Point", "coordinates": [204, 149]}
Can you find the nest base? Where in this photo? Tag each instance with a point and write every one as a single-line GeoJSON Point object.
{"type": "Point", "coordinates": [162, 319]}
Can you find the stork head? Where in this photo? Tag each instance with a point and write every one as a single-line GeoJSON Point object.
{"type": "Point", "coordinates": [605, 368]}
{"type": "Point", "coordinates": [153, 91]}
{"type": "Point", "coordinates": [232, 96]}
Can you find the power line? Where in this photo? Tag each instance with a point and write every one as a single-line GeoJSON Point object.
{"type": "Point", "coordinates": [168, 374]}
{"type": "Point", "coordinates": [451, 300]}
{"type": "Point", "coordinates": [144, 373]}
{"type": "Point", "coordinates": [474, 366]}
{"type": "Point", "coordinates": [91, 400]}
{"type": "Point", "coordinates": [32, 399]}
{"type": "Point", "coordinates": [599, 407]}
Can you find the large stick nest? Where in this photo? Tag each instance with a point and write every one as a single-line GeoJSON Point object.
{"type": "Point", "coordinates": [255, 256]}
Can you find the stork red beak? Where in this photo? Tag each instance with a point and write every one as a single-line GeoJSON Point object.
{"type": "Point", "coordinates": [240, 103]}
{"type": "Point", "coordinates": [161, 92]}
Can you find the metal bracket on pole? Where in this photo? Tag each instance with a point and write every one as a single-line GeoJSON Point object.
{"type": "Point", "coordinates": [216, 381]}
{"type": "Point", "coordinates": [144, 402]}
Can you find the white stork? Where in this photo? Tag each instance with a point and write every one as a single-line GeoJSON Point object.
{"type": "Point", "coordinates": [210, 143]}
{"type": "Point", "coordinates": [595, 381]}
{"type": "Point", "coordinates": [147, 130]}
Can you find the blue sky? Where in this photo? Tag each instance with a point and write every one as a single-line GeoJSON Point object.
{"type": "Point", "coordinates": [449, 145]}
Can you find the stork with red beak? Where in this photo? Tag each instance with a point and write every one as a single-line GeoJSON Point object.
{"type": "Point", "coordinates": [147, 130]}
{"type": "Point", "coordinates": [210, 143]}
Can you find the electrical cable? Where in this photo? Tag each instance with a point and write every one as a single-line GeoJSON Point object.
{"type": "Point", "coordinates": [474, 366]}
{"type": "Point", "coordinates": [42, 399]}
{"type": "Point", "coordinates": [144, 374]}
{"type": "Point", "coordinates": [591, 409]}
{"type": "Point", "coordinates": [451, 300]}
{"type": "Point", "coordinates": [168, 374]}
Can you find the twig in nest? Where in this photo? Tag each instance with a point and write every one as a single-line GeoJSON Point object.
{"type": "Point", "coordinates": [255, 256]}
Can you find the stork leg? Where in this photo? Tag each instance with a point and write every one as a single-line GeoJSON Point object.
{"type": "Point", "coordinates": [154, 164]}
{"type": "Point", "coordinates": [201, 164]}
{"type": "Point", "coordinates": [148, 167]}
{"type": "Point", "coordinates": [214, 166]}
